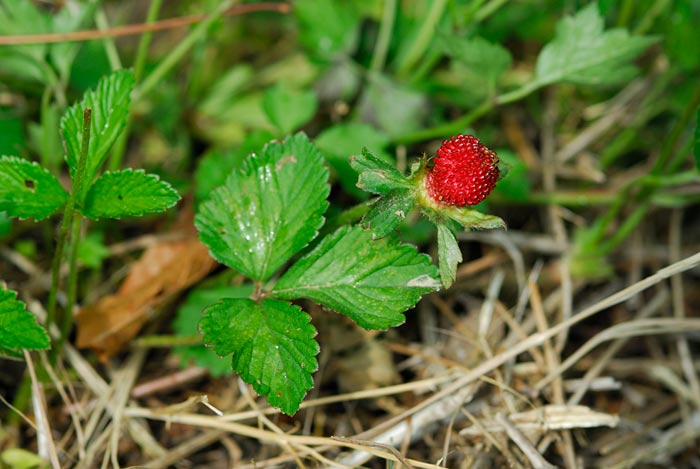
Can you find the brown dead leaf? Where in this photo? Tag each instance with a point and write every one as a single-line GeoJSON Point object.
{"type": "Point", "coordinates": [162, 272]}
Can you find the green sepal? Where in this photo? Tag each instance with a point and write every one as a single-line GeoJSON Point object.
{"type": "Point", "coordinates": [372, 281]}
{"type": "Point", "coordinates": [387, 212]}
{"type": "Point", "coordinates": [130, 192]}
{"type": "Point", "coordinates": [377, 175]}
{"type": "Point", "coordinates": [28, 190]}
{"type": "Point", "coordinates": [449, 254]}
{"type": "Point", "coordinates": [272, 343]}
{"type": "Point", "coordinates": [469, 218]}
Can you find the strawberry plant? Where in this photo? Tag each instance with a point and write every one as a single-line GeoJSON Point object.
{"type": "Point", "coordinates": [89, 129]}
{"type": "Point", "coordinates": [256, 222]}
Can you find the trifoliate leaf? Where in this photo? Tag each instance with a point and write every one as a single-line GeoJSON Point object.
{"type": "Point", "coordinates": [388, 212]}
{"type": "Point", "coordinates": [272, 343]}
{"type": "Point", "coordinates": [27, 190]}
{"type": "Point", "coordinates": [376, 174]}
{"type": "Point", "coordinates": [371, 281]}
{"type": "Point", "coordinates": [449, 254]}
{"type": "Point", "coordinates": [110, 106]}
{"type": "Point", "coordinates": [582, 53]}
{"type": "Point", "coordinates": [186, 322]}
{"type": "Point", "coordinates": [18, 327]}
{"type": "Point", "coordinates": [129, 192]}
{"type": "Point", "coordinates": [287, 108]}
{"type": "Point", "coordinates": [269, 210]}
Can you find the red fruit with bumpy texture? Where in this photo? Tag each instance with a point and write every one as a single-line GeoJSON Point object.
{"type": "Point", "coordinates": [463, 173]}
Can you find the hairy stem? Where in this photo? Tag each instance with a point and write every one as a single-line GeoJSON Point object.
{"type": "Point", "coordinates": [68, 214]}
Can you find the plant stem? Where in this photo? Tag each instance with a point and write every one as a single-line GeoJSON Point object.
{"type": "Point", "coordinates": [425, 35]}
{"type": "Point", "coordinates": [488, 10]}
{"type": "Point", "coordinates": [454, 127]}
{"type": "Point", "coordinates": [56, 264]}
{"type": "Point", "coordinates": [115, 62]}
{"type": "Point", "coordinates": [68, 214]}
{"type": "Point", "coordinates": [67, 319]}
{"type": "Point", "coordinates": [382, 47]}
{"type": "Point", "coordinates": [167, 341]}
{"type": "Point", "coordinates": [166, 65]}
{"type": "Point", "coordinates": [115, 160]}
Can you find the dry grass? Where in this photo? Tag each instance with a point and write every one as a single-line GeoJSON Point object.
{"type": "Point", "coordinates": [496, 383]}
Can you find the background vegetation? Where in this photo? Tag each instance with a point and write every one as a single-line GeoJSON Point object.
{"type": "Point", "coordinates": [565, 340]}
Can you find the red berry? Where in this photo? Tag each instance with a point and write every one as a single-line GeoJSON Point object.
{"type": "Point", "coordinates": [463, 173]}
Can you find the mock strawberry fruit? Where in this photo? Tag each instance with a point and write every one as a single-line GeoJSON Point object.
{"type": "Point", "coordinates": [463, 173]}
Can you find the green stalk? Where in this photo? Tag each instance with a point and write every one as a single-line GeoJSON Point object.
{"type": "Point", "coordinates": [110, 47]}
{"type": "Point", "coordinates": [387, 26]}
{"type": "Point", "coordinates": [68, 214]}
{"type": "Point", "coordinates": [425, 35]}
{"type": "Point", "coordinates": [167, 64]}
{"type": "Point", "coordinates": [56, 264]}
{"type": "Point", "coordinates": [488, 10]}
{"type": "Point", "coordinates": [67, 319]}
{"type": "Point", "coordinates": [167, 341]}
{"type": "Point", "coordinates": [454, 127]}
{"type": "Point", "coordinates": [115, 160]}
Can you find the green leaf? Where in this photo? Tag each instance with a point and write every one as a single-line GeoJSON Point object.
{"type": "Point", "coordinates": [27, 190]}
{"type": "Point", "coordinates": [340, 141]}
{"type": "Point", "coordinates": [216, 165]}
{"type": "Point", "coordinates": [287, 108]}
{"type": "Point", "coordinates": [269, 210]}
{"type": "Point", "coordinates": [513, 182]}
{"type": "Point", "coordinates": [272, 343]}
{"type": "Point", "coordinates": [371, 281]}
{"type": "Point", "coordinates": [484, 60]}
{"type": "Point", "coordinates": [449, 254]}
{"type": "Point", "coordinates": [471, 218]}
{"type": "Point", "coordinates": [327, 28]}
{"type": "Point", "coordinates": [18, 458]}
{"type": "Point", "coordinates": [67, 19]}
{"type": "Point", "coordinates": [187, 319]}
{"type": "Point", "coordinates": [696, 139]}
{"type": "Point", "coordinates": [18, 327]}
{"type": "Point", "coordinates": [393, 107]}
{"type": "Point", "coordinates": [377, 175]}
{"type": "Point", "coordinates": [25, 62]}
{"type": "Point", "coordinates": [5, 224]}
{"type": "Point", "coordinates": [128, 192]}
{"type": "Point", "coordinates": [92, 250]}
{"type": "Point", "coordinates": [12, 131]}
{"type": "Point", "coordinates": [387, 212]}
{"type": "Point", "coordinates": [110, 106]}
{"type": "Point", "coordinates": [582, 53]}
